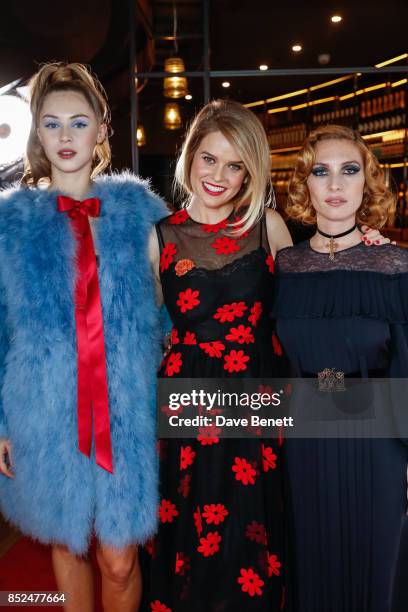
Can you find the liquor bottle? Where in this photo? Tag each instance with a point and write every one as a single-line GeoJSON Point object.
{"type": "Point", "coordinates": [374, 106]}
{"type": "Point", "coordinates": [369, 111]}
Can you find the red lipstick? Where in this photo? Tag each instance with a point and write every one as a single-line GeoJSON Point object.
{"type": "Point", "coordinates": [66, 153]}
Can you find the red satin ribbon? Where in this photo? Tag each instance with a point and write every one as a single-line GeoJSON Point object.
{"type": "Point", "coordinates": [93, 399]}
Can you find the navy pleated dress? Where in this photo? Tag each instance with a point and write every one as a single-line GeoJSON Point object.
{"type": "Point", "coordinates": [347, 496]}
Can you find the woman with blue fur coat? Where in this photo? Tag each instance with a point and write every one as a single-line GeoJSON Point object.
{"type": "Point", "coordinates": [78, 316]}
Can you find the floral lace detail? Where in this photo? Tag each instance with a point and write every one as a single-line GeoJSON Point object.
{"type": "Point", "coordinates": [386, 259]}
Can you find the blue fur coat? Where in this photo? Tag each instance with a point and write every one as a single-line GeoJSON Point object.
{"type": "Point", "coordinates": [58, 494]}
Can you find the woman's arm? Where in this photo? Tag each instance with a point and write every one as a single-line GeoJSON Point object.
{"type": "Point", "coordinates": [154, 257]}
{"type": "Point", "coordinates": [278, 233]}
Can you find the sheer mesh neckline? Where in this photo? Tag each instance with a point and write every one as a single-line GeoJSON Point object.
{"type": "Point", "coordinates": [208, 246]}
{"type": "Point", "coordinates": [221, 221]}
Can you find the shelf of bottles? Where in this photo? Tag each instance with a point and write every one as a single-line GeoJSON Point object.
{"type": "Point", "coordinates": [379, 114]}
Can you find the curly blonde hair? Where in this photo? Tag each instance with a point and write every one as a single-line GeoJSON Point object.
{"type": "Point", "coordinates": [61, 76]}
{"type": "Point", "coordinates": [246, 134]}
{"type": "Point", "coordinates": [377, 197]}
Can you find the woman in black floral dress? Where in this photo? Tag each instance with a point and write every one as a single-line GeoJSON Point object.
{"type": "Point", "coordinates": [220, 541]}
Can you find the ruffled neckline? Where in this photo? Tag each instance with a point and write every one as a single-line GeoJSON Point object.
{"type": "Point", "coordinates": [342, 293]}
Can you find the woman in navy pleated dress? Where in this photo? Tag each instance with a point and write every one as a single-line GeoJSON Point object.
{"type": "Point", "coordinates": [344, 308]}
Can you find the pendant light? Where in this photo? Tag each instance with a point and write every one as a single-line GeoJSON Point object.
{"type": "Point", "coordinates": [175, 86]}
{"type": "Point", "coordinates": [172, 116]}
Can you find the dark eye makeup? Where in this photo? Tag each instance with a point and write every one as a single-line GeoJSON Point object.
{"type": "Point", "coordinates": [321, 170]}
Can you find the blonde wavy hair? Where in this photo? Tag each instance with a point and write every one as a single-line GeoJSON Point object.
{"type": "Point", "coordinates": [60, 76]}
{"type": "Point", "coordinates": [377, 197]}
{"type": "Point", "coordinates": [246, 134]}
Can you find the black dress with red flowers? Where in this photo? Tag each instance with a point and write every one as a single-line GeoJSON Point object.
{"type": "Point", "coordinates": [220, 542]}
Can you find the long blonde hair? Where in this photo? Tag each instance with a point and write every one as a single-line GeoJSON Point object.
{"type": "Point", "coordinates": [246, 134]}
{"type": "Point", "coordinates": [377, 197]}
{"type": "Point", "coordinates": [60, 76]}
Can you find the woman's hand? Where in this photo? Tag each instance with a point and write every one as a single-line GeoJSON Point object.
{"type": "Point", "coordinates": [373, 237]}
{"type": "Point", "coordinates": [6, 462]}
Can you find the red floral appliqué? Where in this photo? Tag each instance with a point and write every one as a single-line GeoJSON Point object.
{"type": "Point", "coordinates": [157, 606]}
{"type": "Point", "coordinates": [256, 532]}
{"type": "Point", "coordinates": [186, 457]}
{"type": "Point", "coordinates": [188, 300]}
{"type": "Point", "coordinates": [183, 266]}
{"type": "Point", "coordinates": [184, 486]}
{"type": "Point", "coordinates": [250, 582]}
{"type": "Point", "coordinates": [167, 511]}
{"type": "Point", "coordinates": [277, 347]}
{"type": "Point", "coordinates": [244, 471]}
{"type": "Point", "coordinates": [228, 312]}
{"type": "Point", "coordinates": [240, 334]}
{"type": "Point", "coordinates": [235, 361]}
{"type": "Point", "coordinates": [210, 544]}
{"type": "Point", "coordinates": [149, 547]}
{"type": "Point", "coordinates": [167, 255]}
{"type": "Point", "coordinates": [225, 246]}
{"type": "Point", "coordinates": [173, 365]}
{"type": "Point", "coordinates": [215, 513]}
{"type": "Point", "coordinates": [213, 349]}
{"type": "Point", "coordinates": [215, 227]}
{"type": "Point", "coordinates": [268, 458]}
{"type": "Point", "coordinates": [198, 521]}
{"type": "Point", "coordinates": [174, 338]}
{"type": "Point", "coordinates": [190, 338]}
{"type": "Point", "coordinates": [274, 565]}
{"type": "Point", "coordinates": [180, 216]}
{"type": "Point", "coordinates": [256, 312]}
{"type": "Point", "coordinates": [208, 435]}
{"type": "Point", "coordinates": [182, 563]}
{"type": "Point", "coordinates": [270, 263]}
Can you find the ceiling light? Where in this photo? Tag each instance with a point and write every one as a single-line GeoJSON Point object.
{"type": "Point", "coordinates": [175, 86]}
{"type": "Point", "coordinates": [392, 60]}
{"type": "Point", "coordinates": [263, 67]}
{"type": "Point", "coordinates": [172, 117]}
{"type": "Point", "coordinates": [140, 136]}
{"type": "Point", "coordinates": [336, 18]}
{"type": "Point", "coordinates": [297, 48]}
{"type": "Point", "coordinates": [188, 97]}
{"type": "Point", "coordinates": [226, 84]}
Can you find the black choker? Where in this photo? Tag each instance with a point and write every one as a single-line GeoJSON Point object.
{"type": "Point", "coordinates": [332, 245]}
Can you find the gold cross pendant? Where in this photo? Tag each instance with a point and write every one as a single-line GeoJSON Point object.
{"type": "Point", "coordinates": [332, 248]}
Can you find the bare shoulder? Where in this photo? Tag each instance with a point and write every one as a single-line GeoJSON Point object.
{"type": "Point", "coordinates": [278, 233]}
{"type": "Point", "coordinates": [154, 248]}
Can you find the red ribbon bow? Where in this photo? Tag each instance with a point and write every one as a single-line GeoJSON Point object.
{"type": "Point", "coordinates": [92, 390]}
